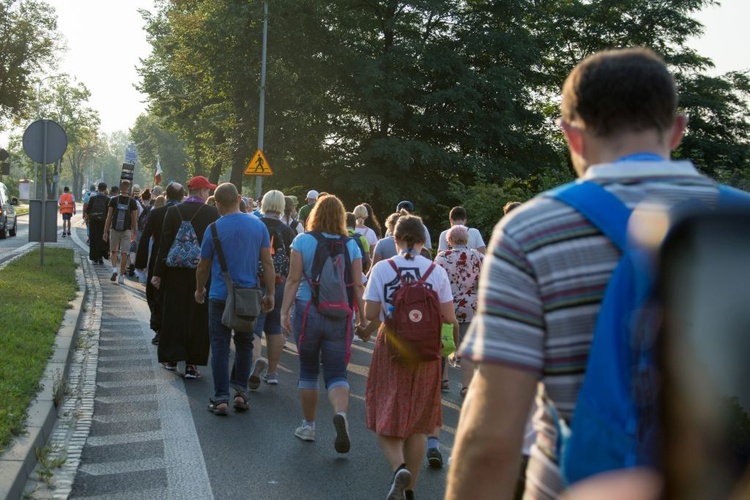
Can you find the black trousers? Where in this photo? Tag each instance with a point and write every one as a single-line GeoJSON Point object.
{"type": "Point", "coordinates": [98, 248]}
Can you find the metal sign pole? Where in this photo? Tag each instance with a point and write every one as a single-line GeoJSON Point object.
{"type": "Point", "coordinates": [262, 107]}
{"type": "Point", "coordinates": [44, 196]}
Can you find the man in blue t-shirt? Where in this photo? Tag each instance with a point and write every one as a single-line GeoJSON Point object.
{"type": "Point", "coordinates": [244, 241]}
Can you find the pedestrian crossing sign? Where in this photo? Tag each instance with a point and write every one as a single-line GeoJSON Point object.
{"type": "Point", "coordinates": [258, 165]}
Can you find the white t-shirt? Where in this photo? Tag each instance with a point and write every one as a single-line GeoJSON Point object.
{"type": "Point", "coordinates": [384, 280]}
{"type": "Point", "coordinates": [475, 240]}
{"type": "Point", "coordinates": [369, 234]}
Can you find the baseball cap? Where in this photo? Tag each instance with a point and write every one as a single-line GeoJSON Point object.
{"type": "Point", "coordinates": [312, 195]}
{"type": "Point", "coordinates": [200, 182]}
{"type": "Point", "coordinates": [406, 205]}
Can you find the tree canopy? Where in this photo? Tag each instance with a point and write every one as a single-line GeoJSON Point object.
{"type": "Point", "coordinates": [27, 44]}
{"type": "Point", "coordinates": [427, 100]}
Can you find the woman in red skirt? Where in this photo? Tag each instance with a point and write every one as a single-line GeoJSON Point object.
{"type": "Point", "coordinates": [403, 400]}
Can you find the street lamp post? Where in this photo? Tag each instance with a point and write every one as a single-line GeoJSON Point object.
{"type": "Point", "coordinates": [262, 107]}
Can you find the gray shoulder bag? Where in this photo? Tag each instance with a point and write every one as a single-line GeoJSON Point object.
{"type": "Point", "coordinates": [243, 304]}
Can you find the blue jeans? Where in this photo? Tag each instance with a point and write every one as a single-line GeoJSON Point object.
{"type": "Point", "coordinates": [220, 337]}
{"type": "Point", "coordinates": [325, 338]}
{"type": "Point", "coordinates": [271, 322]}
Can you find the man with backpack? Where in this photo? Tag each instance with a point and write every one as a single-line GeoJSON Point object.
{"type": "Point", "coordinates": [543, 286]}
{"type": "Point", "coordinates": [119, 229]}
{"type": "Point", "coordinates": [183, 335]}
{"type": "Point", "coordinates": [95, 213]}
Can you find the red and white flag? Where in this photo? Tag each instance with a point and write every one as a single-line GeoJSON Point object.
{"type": "Point", "coordinates": [157, 175]}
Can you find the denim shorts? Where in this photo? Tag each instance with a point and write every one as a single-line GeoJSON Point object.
{"type": "Point", "coordinates": [325, 340]}
{"type": "Point", "coordinates": [271, 322]}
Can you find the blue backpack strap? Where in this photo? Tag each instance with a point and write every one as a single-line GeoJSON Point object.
{"type": "Point", "coordinates": [730, 197]}
{"type": "Point", "coordinates": [599, 206]}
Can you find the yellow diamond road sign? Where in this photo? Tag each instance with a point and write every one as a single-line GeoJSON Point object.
{"type": "Point", "coordinates": [258, 165]}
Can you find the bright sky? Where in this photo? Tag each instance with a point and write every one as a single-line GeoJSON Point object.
{"type": "Point", "coordinates": [106, 40]}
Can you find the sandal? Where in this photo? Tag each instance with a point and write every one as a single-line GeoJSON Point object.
{"type": "Point", "coordinates": [463, 392]}
{"type": "Point", "coordinates": [191, 372]}
{"type": "Point", "coordinates": [216, 408]}
{"type": "Point", "coordinates": [240, 401]}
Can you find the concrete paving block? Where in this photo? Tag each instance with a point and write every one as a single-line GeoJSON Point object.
{"type": "Point", "coordinates": [42, 415]}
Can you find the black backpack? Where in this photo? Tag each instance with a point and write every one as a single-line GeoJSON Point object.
{"type": "Point", "coordinates": [143, 218]}
{"type": "Point", "coordinates": [279, 252]}
{"type": "Point", "coordinates": [98, 205]}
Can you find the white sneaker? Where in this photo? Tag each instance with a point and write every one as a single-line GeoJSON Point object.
{"type": "Point", "coordinates": [307, 433]}
{"type": "Point", "coordinates": [121, 279]}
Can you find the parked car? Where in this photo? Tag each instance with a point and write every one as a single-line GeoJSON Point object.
{"type": "Point", "coordinates": [8, 221]}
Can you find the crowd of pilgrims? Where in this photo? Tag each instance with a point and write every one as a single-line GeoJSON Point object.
{"type": "Point", "coordinates": [403, 405]}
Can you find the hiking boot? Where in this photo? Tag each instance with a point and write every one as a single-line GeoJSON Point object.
{"type": "Point", "coordinates": [401, 480]}
{"type": "Point", "coordinates": [342, 443]}
{"type": "Point", "coordinates": [254, 381]}
{"type": "Point", "coordinates": [113, 278]}
{"type": "Point", "coordinates": [305, 432]}
{"type": "Point", "coordinates": [434, 458]}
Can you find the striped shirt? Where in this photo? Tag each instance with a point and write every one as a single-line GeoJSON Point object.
{"type": "Point", "coordinates": [542, 283]}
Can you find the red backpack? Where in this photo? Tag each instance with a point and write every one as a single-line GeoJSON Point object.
{"type": "Point", "coordinates": [413, 328]}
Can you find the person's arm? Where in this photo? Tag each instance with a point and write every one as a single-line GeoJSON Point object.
{"type": "Point", "coordinates": [359, 288]}
{"type": "Point", "coordinates": [168, 233]}
{"type": "Point", "coordinates": [202, 272]}
{"type": "Point", "coordinates": [290, 290]}
{"type": "Point", "coordinates": [107, 224]}
{"type": "Point", "coordinates": [269, 278]}
{"type": "Point", "coordinates": [487, 452]}
{"type": "Point", "coordinates": [372, 315]}
{"type": "Point", "coordinates": [478, 240]}
{"type": "Point", "coordinates": [133, 222]}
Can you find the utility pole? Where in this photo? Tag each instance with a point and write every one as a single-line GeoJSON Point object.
{"type": "Point", "coordinates": [262, 107]}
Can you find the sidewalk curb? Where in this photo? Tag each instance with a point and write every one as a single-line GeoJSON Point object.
{"type": "Point", "coordinates": [19, 459]}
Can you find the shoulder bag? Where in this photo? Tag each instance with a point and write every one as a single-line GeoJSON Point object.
{"type": "Point", "coordinates": [242, 305]}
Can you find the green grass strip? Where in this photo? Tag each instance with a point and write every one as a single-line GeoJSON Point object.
{"type": "Point", "coordinates": [33, 301]}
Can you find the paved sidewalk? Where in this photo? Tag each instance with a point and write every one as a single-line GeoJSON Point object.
{"type": "Point", "coordinates": [20, 459]}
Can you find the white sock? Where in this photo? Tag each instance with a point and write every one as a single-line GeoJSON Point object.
{"type": "Point", "coordinates": [115, 270]}
{"type": "Point", "coordinates": [342, 413]}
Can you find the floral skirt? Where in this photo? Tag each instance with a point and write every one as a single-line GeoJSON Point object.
{"type": "Point", "coordinates": [400, 399]}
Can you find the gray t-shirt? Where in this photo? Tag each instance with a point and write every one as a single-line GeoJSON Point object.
{"type": "Point", "coordinates": [385, 248]}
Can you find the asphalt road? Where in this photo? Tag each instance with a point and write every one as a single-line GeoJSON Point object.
{"type": "Point", "coordinates": [151, 435]}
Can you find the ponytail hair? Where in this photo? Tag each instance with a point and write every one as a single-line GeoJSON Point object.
{"type": "Point", "coordinates": [410, 230]}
